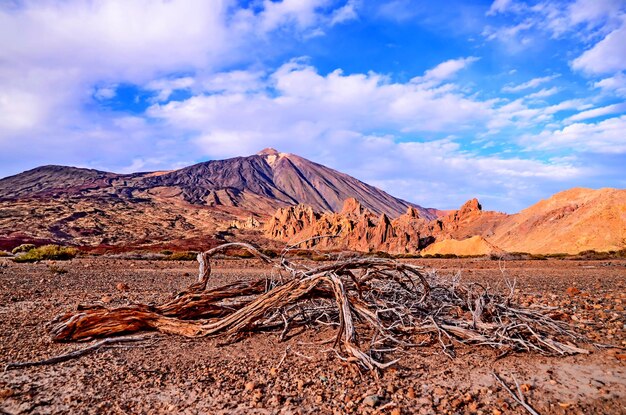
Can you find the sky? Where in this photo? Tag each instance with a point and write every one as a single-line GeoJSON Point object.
{"type": "Point", "coordinates": [435, 102]}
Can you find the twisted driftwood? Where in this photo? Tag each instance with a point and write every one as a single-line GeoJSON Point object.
{"type": "Point", "coordinates": [379, 302]}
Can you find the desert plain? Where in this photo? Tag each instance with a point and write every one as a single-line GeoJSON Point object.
{"type": "Point", "coordinates": [261, 374]}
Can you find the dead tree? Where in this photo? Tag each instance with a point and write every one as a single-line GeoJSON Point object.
{"type": "Point", "coordinates": [376, 304]}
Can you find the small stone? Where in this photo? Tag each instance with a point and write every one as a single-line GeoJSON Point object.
{"type": "Point", "coordinates": [122, 286]}
{"type": "Point", "coordinates": [300, 384]}
{"type": "Point", "coordinates": [6, 393]}
{"type": "Point", "coordinates": [410, 393]}
{"type": "Point", "coordinates": [565, 405]}
{"type": "Point", "coordinates": [371, 400]}
{"type": "Point", "coordinates": [424, 401]}
{"type": "Point", "coordinates": [106, 299]}
{"type": "Point", "coordinates": [572, 291]}
{"type": "Point", "coordinates": [525, 387]}
{"type": "Point", "coordinates": [495, 411]}
{"type": "Point", "coordinates": [273, 371]}
{"type": "Point", "coordinates": [396, 411]}
{"type": "Point", "coordinates": [439, 392]}
{"type": "Point", "coordinates": [274, 401]}
{"type": "Point", "coordinates": [250, 386]}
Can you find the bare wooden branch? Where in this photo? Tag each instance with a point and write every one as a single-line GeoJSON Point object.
{"type": "Point", "coordinates": [519, 398]}
{"type": "Point", "coordinates": [78, 353]}
{"type": "Point", "coordinates": [377, 305]}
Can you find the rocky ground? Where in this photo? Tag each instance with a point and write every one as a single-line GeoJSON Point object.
{"type": "Point", "coordinates": [299, 376]}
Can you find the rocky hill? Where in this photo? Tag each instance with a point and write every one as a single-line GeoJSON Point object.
{"type": "Point", "coordinates": [91, 207]}
{"type": "Point", "coordinates": [569, 222]}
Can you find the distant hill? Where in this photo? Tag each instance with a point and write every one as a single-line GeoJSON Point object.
{"type": "Point", "coordinates": [569, 222]}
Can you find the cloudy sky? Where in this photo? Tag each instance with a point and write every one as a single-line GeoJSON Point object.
{"type": "Point", "coordinates": [435, 102]}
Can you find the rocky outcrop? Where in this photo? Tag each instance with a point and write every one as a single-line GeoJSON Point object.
{"type": "Point", "coordinates": [354, 228]}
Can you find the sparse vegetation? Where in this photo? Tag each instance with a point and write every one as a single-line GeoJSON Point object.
{"type": "Point", "coordinates": [54, 252]}
{"type": "Point", "coordinates": [4, 254]}
{"type": "Point", "coordinates": [23, 248]}
{"type": "Point", "coordinates": [595, 255]}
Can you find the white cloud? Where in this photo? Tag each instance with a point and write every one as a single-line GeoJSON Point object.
{"type": "Point", "coordinates": [533, 83]}
{"type": "Point", "coordinates": [543, 93]}
{"type": "Point", "coordinates": [598, 112]}
{"type": "Point", "coordinates": [300, 104]}
{"type": "Point", "coordinates": [345, 13]}
{"type": "Point", "coordinates": [605, 136]}
{"type": "Point", "coordinates": [606, 56]}
{"type": "Point", "coordinates": [165, 87]}
{"type": "Point", "coordinates": [447, 69]}
{"type": "Point", "coordinates": [301, 13]}
{"type": "Point", "coordinates": [503, 6]}
{"type": "Point", "coordinates": [105, 92]}
{"type": "Point", "coordinates": [615, 84]}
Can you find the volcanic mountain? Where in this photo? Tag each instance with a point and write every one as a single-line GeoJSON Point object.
{"type": "Point", "coordinates": [91, 207]}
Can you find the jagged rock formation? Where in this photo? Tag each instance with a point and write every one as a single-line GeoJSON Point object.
{"type": "Point", "coordinates": [250, 223]}
{"type": "Point", "coordinates": [569, 222]}
{"type": "Point", "coordinates": [354, 228]}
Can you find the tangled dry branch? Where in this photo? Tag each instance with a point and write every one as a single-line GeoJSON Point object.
{"type": "Point", "coordinates": [379, 306]}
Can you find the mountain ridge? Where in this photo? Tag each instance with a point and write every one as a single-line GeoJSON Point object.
{"type": "Point", "coordinates": [259, 183]}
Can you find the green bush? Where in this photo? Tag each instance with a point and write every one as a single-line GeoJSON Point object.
{"type": "Point", "coordinates": [182, 256]}
{"type": "Point", "coordinates": [55, 252]}
{"type": "Point", "coordinates": [4, 254]}
{"type": "Point", "coordinates": [23, 248]}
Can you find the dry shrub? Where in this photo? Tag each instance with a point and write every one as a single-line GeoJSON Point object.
{"type": "Point", "coordinates": [378, 305]}
{"type": "Point", "coordinates": [47, 252]}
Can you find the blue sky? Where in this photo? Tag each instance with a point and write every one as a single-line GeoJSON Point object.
{"type": "Point", "coordinates": [435, 102]}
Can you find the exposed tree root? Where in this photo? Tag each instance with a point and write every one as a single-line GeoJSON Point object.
{"type": "Point", "coordinates": [80, 352]}
{"type": "Point", "coordinates": [379, 305]}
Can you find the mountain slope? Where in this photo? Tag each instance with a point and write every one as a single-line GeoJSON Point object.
{"type": "Point", "coordinates": [92, 207]}
{"type": "Point", "coordinates": [270, 179]}
{"type": "Point", "coordinates": [568, 222]}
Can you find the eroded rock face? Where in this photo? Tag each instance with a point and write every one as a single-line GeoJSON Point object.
{"type": "Point", "coordinates": [568, 222]}
{"type": "Point", "coordinates": [354, 228]}
{"type": "Point", "coordinates": [357, 228]}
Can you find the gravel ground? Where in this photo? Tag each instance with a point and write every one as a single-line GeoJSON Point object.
{"type": "Point", "coordinates": [176, 375]}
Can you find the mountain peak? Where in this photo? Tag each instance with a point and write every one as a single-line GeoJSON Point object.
{"type": "Point", "coordinates": [269, 151]}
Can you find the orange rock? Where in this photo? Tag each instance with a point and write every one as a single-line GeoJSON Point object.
{"type": "Point", "coordinates": [572, 291]}
{"type": "Point", "coordinates": [410, 393]}
{"type": "Point", "coordinates": [122, 286]}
